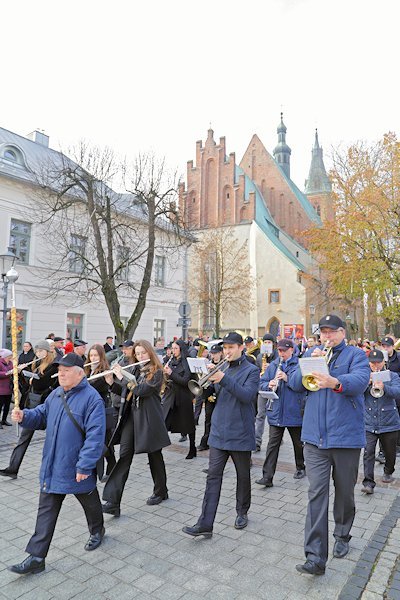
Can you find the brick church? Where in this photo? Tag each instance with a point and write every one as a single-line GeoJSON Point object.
{"type": "Point", "coordinates": [258, 200]}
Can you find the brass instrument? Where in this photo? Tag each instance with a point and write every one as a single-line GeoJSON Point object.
{"type": "Point", "coordinates": [376, 392]}
{"type": "Point", "coordinates": [202, 347]}
{"type": "Point", "coordinates": [309, 381]}
{"type": "Point", "coordinates": [198, 386]}
{"type": "Point", "coordinates": [252, 350]}
{"type": "Point", "coordinates": [263, 363]}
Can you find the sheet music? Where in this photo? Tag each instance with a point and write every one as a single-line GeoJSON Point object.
{"type": "Point", "coordinates": [198, 365]}
{"type": "Point", "coordinates": [270, 395]}
{"type": "Point", "coordinates": [313, 364]}
{"type": "Point", "coordinates": [380, 376]}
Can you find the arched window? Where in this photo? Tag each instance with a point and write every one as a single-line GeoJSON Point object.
{"type": "Point", "coordinates": [12, 154]}
{"type": "Point", "coordinates": [318, 209]}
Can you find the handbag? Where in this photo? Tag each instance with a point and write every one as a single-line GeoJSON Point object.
{"type": "Point", "coordinates": [34, 400]}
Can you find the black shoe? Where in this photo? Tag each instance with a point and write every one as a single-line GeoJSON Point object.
{"type": "Point", "coordinates": [300, 473]}
{"type": "Point", "coordinates": [156, 499]}
{"type": "Point", "coordinates": [381, 458]}
{"type": "Point", "coordinates": [192, 454]}
{"type": "Point", "coordinates": [266, 482]}
{"type": "Point", "coordinates": [6, 423]}
{"type": "Point", "coordinates": [94, 540]}
{"type": "Point", "coordinates": [196, 531]}
{"type": "Point", "coordinates": [111, 509]}
{"type": "Point", "coordinates": [241, 521]}
{"type": "Point", "coordinates": [386, 478]}
{"type": "Point", "coordinates": [202, 448]}
{"type": "Point", "coordinates": [340, 549]}
{"type": "Point", "coordinates": [183, 437]}
{"type": "Point", "coordinates": [8, 473]}
{"type": "Point", "coordinates": [32, 564]}
{"type": "Point", "coordinates": [310, 568]}
{"type": "Point", "coordinates": [367, 489]}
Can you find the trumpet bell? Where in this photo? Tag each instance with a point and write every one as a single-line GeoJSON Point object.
{"type": "Point", "coordinates": [195, 387]}
{"type": "Point", "coordinates": [310, 383]}
{"type": "Point", "coordinates": [376, 392]}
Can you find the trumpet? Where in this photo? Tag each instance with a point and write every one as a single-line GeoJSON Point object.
{"type": "Point", "coordinates": [198, 386]}
{"type": "Point", "coordinates": [309, 381]}
{"type": "Point", "coordinates": [376, 392]}
{"type": "Point", "coordinates": [98, 375]}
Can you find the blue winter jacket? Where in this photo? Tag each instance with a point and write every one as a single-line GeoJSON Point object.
{"type": "Point", "coordinates": [232, 422]}
{"type": "Point", "coordinates": [65, 451]}
{"type": "Point", "coordinates": [381, 414]}
{"type": "Point", "coordinates": [286, 411]}
{"type": "Point", "coordinates": [336, 419]}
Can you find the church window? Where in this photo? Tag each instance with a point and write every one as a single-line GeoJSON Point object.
{"type": "Point", "coordinates": [318, 209]}
{"type": "Point", "coordinates": [297, 254]}
{"type": "Point", "coordinates": [274, 296]}
{"type": "Point", "coordinates": [227, 195]}
{"type": "Point", "coordinates": [299, 277]}
{"type": "Point", "coordinates": [194, 199]}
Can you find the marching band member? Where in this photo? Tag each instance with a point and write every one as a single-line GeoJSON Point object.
{"type": "Point", "coordinates": [209, 398]}
{"type": "Point", "coordinates": [143, 430]}
{"type": "Point", "coordinates": [382, 422]}
{"type": "Point", "coordinates": [333, 433]}
{"type": "Point", "coordinates": [73, 444]}
{"type": "Point", "coordinates": [268, 353]}
{"type": "Point", "coordinates": [41, 385]}
{"type": "Point", "coordinates": [178, 399]}
{"type": "Point", "coordinates": [252, 349]}
{"type": "Point", "coordinates": [232, 434]}
{"type": "Point", "coordinates": [285, 413]}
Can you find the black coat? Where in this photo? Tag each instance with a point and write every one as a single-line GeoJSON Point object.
{"type": "Point", "coordinates": [178, 399]}
{"type": "Point", "coordinates": [46, 383]}
{"type": "Point", "coordinates": [150, 432]}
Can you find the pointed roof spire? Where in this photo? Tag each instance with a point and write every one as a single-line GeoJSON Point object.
{"type": "Point", "coordinates": [318, 181]}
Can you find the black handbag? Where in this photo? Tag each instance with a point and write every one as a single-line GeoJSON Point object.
{"type": "Point", "coordinates": [34, 400]}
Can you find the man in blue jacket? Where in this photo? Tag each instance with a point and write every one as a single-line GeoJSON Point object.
{"type": "Point", "coordinates": [232, 434]}
{"type": "Point", "coordinates": [73, 445]}
{"type": "Point", "coordinates": [285, 411]}
{"type": "Point", "coordinates": [382, 422]}
{"type": "Point", "coordinates": [333, 433]}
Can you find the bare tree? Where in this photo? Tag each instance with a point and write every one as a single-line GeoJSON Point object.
{"type": "Point", "coordinates": [107, 240]}
{"type": "Point", "coordinates": [222, 268]}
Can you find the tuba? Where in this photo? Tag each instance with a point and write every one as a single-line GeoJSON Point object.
{"type": "Point", "coordinates": [309, 381]}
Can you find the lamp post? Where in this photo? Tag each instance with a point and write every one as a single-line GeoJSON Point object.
{"type": "Point", "coordinates": [348, 326]}
{"type": "Point", "coordinates": [311, 309]}
{"type": "Point", "coordinates": [7, 261]}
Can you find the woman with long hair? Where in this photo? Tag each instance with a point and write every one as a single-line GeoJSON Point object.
{"type": "Point", "coordinates": [97, 363]}
{"type": "Point", "coordinates": [40, 385]}
{"type": "Point", "coordinates": [178, 399]}
{"type": "Point", "coordinates": [143, 429]}
{"type": "Point", "coordinates": [5, 385]}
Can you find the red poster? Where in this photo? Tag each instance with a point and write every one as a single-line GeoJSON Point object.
{"type": "Point", "coordinates": [294, 331]}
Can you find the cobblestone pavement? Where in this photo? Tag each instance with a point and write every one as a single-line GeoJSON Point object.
{"type": "Point", "coordinates": [145, 554]}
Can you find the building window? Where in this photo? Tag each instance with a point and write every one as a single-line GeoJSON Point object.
{"type": "Point", "coordinates": [274, 296]}
{"type": "Point", "coordinates": [299, 279]}
{"type": "Point", "coordinates": [14, 155]}
{"type": "Point", "coordinates": [77, 253]}
{"type": "Point", "coordinates": [21, 328]}
{"type": "Point", "coordinates": [123, 263]}
{"type": "Point", "coordinates": [159, 271]}
{"type": "Point", "coordinates": [74, 326]}
{"type": "Point", "coordinates": [20, 239]}
{"type": "Point", "coordinates": [159, 332]}
{"type": "Point", "coordinates": [318, 209]}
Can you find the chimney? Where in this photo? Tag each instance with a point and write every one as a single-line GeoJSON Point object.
{"type": "Point", "coordinates": [39, 137]}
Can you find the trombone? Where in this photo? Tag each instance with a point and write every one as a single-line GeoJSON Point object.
{"type": "Point", "coordinates": [198, 386]}
{"type": "Point", "coordinates": [309, 381]}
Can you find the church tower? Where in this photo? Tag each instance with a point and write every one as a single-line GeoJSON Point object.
{"type": "Point", "coordinates": [318, 187]}
{"type": "Point", "coordinates": [282, 151]}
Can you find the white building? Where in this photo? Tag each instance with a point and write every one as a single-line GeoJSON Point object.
{"type": "Point", "coordinates": [38, 313]}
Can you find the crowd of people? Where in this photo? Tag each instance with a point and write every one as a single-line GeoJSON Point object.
{"type": "Point", "coordinates": [92, 400]}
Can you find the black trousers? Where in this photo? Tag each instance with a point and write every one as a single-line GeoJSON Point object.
{"type": "Point", "coordinates": [217, 461]}
{"type": "Point", "coordinates": [48, 511]}
{"type": "Point", "coordinates": [18, 453]}
{"type": "Point", "coordinates": [342, 463]}
{"type": "Point", "coordinates": [274, 443]}
{"type": "Point", "coordinates": [207, 423]}
{"type": "Point", "coordinates": [388, 441]}
{"type": "Point", "coordinates": [5, 402]}
{"type": "Point", "coordinates": [115, 485]}
{"type": "Point", "coordinates": [198, 405]}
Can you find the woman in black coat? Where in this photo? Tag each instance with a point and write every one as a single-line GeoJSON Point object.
{"type": "Point", "coordinates": [178, 399]}
{"type": "Point", "coordinates": [143, 430]}
{"type": "Point", "coordinates": [27, 355]}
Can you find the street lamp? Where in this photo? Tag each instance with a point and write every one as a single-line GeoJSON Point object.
{"type": "Point", "coordinates": [311, 308]}
{"type": "Point", "coordinates": [348, 326]}
{"type": "Point", "coordinates": [7, 261]}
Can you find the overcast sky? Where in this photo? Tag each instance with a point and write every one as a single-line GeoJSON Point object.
{"type": "Point", "coordinates": [153, 74]}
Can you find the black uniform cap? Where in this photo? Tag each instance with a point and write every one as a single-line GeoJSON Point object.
{"type": "Point", "coordinates": [376, 356]}
{"type": "Point", "coordinates": [332, 322]}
